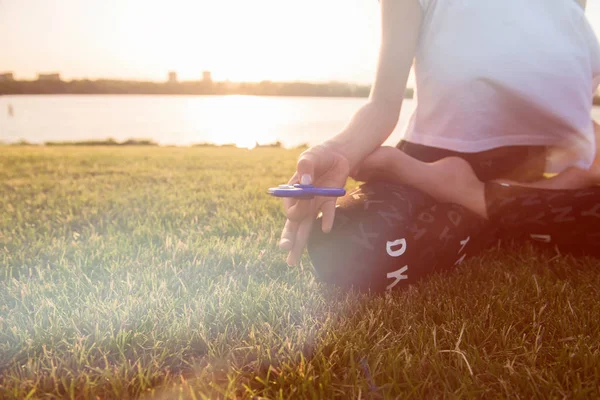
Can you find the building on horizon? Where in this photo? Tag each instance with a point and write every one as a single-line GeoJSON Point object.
{"type": "Point", "coordinates": [172, 78]}
{"type": "Point", "coordinates": [206, 77]}
{"type": "Point", "coordinates": [53, 77]}
{"type": "Point", "coordinates": [7, 77]}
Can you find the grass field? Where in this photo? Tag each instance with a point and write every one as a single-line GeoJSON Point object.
{"type": "Point", "coordinates": [149, 272]}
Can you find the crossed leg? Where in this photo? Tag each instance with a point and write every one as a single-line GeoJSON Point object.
{"type": "Point", "coordinates": [415, 218]}
{"type": "Point", "coordinates": [388, 236]}
{"type": "Point", "coordinates": [452, 180]}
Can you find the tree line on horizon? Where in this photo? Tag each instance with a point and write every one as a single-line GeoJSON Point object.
{"type": "Point", "coordinates": [265, 88]}
{"type": "Point", "coordinates": [145, 142]}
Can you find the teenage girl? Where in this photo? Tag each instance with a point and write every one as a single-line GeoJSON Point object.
{"type": "Point", "coordinates": [506, 86]}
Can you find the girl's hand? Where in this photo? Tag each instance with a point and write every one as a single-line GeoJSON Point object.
{"type": "Point", "coordinates": [321, 166]}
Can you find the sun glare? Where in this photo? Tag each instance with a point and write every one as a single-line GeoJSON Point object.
{"type": "Point", "coordinates": [246, 41]}
{"type": "Point", "coordinates": [237, 120]}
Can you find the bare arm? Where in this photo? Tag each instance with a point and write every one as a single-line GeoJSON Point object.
{"type": "Point", "coordinates": [330, 163]}
{"type": "Point", "coordinates": [374, 122]}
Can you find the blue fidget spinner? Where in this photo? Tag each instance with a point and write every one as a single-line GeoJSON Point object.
{"type": "Point", "coordinates": [304, 192]}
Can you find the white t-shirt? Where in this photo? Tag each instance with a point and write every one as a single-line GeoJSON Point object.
{"type": "Point", "coordinates": [494, 73]}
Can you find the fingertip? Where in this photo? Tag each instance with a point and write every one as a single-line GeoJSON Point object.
{"type": "Point", "coordinates": [291, 260]}
{"type": "Point", "coordinates": [305, 169]}
{"type": "Point", "coordinates": [286, 244]}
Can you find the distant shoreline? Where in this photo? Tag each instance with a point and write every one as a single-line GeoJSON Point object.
{"type": "Point", "coordinates": [196, 88]}
{"type": "Point", "coordinates": [110, 142]}
{"type": "Point", "coordinates": [114, 87]}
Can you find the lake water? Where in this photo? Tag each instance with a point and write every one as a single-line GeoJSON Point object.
{"type": "Point", "coordinates": [180, 120]}
{"type": "Point", "coordinates": [183, 120]}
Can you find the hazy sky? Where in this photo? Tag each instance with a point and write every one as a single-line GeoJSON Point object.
{"type": "Point", "coordinates": [315, 40]}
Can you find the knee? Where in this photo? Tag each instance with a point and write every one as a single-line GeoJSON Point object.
{"type": "Point", "coordinates": [354, 253]}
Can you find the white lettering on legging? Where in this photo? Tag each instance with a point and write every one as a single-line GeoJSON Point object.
{"type": "Point", "coordinates": [356, 195]}
{"type": "Point", "coordinates": [396, 253]}
{"type": "Point", "coordinates": [369, 202]}
{"type": "Point", "coordinates": [391, 218]}
{"type": "Point", "coordinates": [593, 212]}
{"type": "Point", "coordinates": [397, 275]}
{"type": "Point", "coordinates": [462, 258]}
{"type": "Point", "coordinates": [365, 238]}
{"type": "Point", "coordinates": [542, 238]}
{"type": "Point", "coordinates": [464, 243]}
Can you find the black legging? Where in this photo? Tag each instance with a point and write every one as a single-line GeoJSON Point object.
{"type": "Point", "coordinates": [387, 235]}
